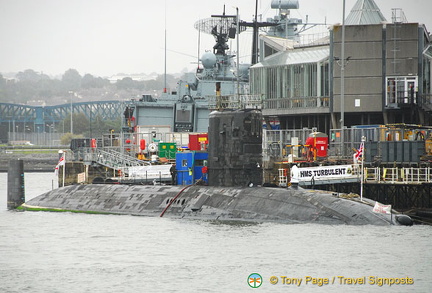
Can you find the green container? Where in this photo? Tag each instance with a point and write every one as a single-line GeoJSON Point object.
{"type": "Point", "coordinates": [167, 150]}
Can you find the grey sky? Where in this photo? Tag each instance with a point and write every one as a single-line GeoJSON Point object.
{"type": "Point", "coordinates": [105, 37]}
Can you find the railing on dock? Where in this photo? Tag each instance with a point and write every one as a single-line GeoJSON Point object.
{"type": "Point", "coordinates": [379, 175]}
{"type": "Point", "coordinates": [398, 175]}
{"type": "Point", "coordinates": [298, 102]}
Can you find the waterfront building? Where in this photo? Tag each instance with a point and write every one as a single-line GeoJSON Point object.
{"type": "Point", "coordinates": [387, 74]}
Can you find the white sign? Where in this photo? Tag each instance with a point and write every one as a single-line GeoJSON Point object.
{"type": "Point", "coordinates": [382, 209]}
{"type": "Point", "coordinates": [81, 177]}
{"type": "Point", "coordinates": [150, 172]}
{"type": "Point", "coordinates": [357, 103]}
{"type": "Point", "coordinates": [325, 173]}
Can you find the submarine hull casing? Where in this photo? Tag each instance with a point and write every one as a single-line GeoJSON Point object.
{"type": "Point", "coordinates": [258, 204]}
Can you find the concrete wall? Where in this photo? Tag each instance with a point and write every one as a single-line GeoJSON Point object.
{"type": "Point", "coordinates": [374, 52]}
{"type": "Point", "coordinates": [363, 70]}
{"type": "Point", "coordinates": [402, 49]}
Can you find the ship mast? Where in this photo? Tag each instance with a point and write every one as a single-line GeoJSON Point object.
{"type": "Point", "coordinates": [165, 57]}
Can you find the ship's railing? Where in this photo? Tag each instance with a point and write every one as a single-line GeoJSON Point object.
{"type": "Point", "coordinates": [314, 39]}
{"type": "Point", "coordinates": [298, 102]}
{"type": "Point", "coordinates": [235, 102]}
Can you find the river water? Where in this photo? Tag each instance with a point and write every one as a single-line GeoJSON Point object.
{"type": "Point", "coordinates": [67, 252]}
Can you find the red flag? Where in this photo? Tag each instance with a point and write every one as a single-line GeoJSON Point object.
{"type": "Point", "coordinates": [359, 153]}
{"type": "Point", "coordinates": [61, 162]}
{"type": "Point", "coordinates": [380, 208]}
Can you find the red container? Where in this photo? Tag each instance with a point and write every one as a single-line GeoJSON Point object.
{"type": "Point", "coordinates": [142, 144]}
{"type": "Point", "coordinates": [198, 142]}
{"type": "Point", "coordinates": [318, 143]}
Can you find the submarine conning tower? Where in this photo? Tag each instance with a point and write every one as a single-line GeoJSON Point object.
{"type": "Point", "coordinates": [235, 148]}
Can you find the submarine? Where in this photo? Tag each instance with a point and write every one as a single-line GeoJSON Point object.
{"type": "Point", "coordinates": [233, 192]}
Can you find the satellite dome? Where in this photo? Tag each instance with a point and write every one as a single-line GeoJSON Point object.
{"type": "Point", "coordinates": [208, 60]}
{"type": "Point", "coordinates": [244, 70]}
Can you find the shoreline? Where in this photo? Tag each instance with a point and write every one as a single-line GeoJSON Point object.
{"type": "Point", "coordinates": [33, 162]}
{"type": "Point", "coordinates": [2, 170]}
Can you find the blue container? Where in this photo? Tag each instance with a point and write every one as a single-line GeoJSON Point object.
{"type": "Point", "coordinates": [189, 167]}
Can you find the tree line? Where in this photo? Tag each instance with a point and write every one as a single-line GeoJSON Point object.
{"type": "Point", "coordinates": [83, 127]}
{"type": "Point", "coordinates": [30, 85]}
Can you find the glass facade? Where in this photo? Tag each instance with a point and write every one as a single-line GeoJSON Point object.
{"type": "Point", "coordinates": [292, 85]}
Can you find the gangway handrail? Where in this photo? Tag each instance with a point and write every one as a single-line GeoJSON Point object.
{"type": "Point", "coordinates": [111, 158]}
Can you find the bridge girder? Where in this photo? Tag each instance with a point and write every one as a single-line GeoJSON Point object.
{"type": "Point", "coordinates": [41, 115]}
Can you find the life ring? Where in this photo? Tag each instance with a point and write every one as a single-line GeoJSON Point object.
{"type": "Point", "coordinates": [152, 148]}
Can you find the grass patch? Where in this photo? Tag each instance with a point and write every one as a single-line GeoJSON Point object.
{"type": "Point", "coordinates": [34, 151]}
{"type": "Point", "coordinates": [55, 210]}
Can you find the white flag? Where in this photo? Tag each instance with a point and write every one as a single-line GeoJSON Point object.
{"type": "Point", "coordinates": [380, 208]}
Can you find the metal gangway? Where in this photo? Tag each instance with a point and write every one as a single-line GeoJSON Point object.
{"type": "Point", "coordinates": [110, 157]}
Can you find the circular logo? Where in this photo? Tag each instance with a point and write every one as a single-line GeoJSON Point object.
{"type": "Point", "coordinates": [254, 280]}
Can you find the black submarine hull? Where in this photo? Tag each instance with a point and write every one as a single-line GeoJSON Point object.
{"type": "Point", "coordinates": [256, 204]}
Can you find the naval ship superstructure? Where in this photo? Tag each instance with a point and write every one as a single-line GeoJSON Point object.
{"type": "Point", "coordinates": [218, 75]}
{"type": "Point", "coordinates": [220, 80]}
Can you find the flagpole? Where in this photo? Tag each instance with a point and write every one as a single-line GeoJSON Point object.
{"type": "Point", "coordinates": [362, 167]}
{"type": "Point", "coordinates": [64, 168]}
{"type": "Point", "coordinates": [391, 216]}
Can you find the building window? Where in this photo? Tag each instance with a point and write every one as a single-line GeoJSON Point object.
{"type": "Point", "coordinates": [401, 90]}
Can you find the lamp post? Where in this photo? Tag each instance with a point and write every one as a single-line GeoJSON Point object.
{"type": "Point", "coordinates": [71, 110]}
{"type": "Point", "coordinates": [49, 133]}
{"type": "Point", "coordinates": [90, 124]}
{"type": "Point", "coordinates": [9, 132]}
{"type": "Point", "coordinates": [13, 130]}
{"type": "Point", "coordinates": [238, 53]}
{"type": "Point", "coordinates": [71, 117]}
{"type": "Point", "coordinates": [363, 139]}
{"type": "Point", "coordinates": [342, 122]}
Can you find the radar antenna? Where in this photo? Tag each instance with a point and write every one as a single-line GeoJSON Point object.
{"type": "Point", "coordinates": [222, 27]}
